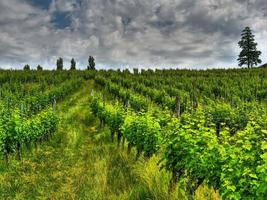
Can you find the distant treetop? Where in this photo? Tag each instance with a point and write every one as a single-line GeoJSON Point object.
{"type": "Point", "coordinates": [91, 62]}
{"type": "Point", "coordinates": [26, 67]}
{"type": "Point", "coordinates": [39, 68]}
{"type": "Point", "coordinates": [60, 63]}
{"type": "Point", "coordinates": [73, 64]}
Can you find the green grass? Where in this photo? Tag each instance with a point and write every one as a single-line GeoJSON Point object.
{"type": "Point", "coordinates": [80, 162]}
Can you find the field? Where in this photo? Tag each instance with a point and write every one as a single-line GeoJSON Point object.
{"type": "Point", "coordinates": [106, 134]}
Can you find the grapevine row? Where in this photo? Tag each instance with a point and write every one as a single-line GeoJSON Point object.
{"type": "Point", "coordinates": [233, 164]}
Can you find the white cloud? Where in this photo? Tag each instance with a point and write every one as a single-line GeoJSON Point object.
{"type": "Point", "coordinates": [133, 33]}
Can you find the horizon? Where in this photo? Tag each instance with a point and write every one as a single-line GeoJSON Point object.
{"type": "Point", "coordinates": [122, 69]}
{"type": "Point", "coordinates": [152, 34]}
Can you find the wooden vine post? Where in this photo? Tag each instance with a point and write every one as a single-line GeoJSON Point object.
{"type": "Point", "coordinates": [19, 145]}
{"type": "Point", "coordinates": [178, 106]}
{"type": "Point", "coordinates": [54, 103]}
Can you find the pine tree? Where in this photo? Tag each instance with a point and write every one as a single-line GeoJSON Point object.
{"type": "Point", "coordinates": [73, 64]}
{"type": "Point", "coordinates": [249, 55]}
{"type": "Point", "coordinates": [59, 64]}
{"type": "Point", "coordinates": [91, 62]}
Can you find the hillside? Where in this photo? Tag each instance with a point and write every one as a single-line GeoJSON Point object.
{"type": "Point", "coordinates": [164, 134]}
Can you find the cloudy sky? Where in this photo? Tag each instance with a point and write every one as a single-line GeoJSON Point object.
{"type": "Point", "coordinates": [128, 33]}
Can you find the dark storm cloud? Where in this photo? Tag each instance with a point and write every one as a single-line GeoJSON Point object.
{"type": "Point", "coordinates": [119, 33]}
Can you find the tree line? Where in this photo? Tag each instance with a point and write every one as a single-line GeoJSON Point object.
{"type": "Point", "coordinates": [60, 66]}
{"type": "Point", "coordinates": [249, 55]}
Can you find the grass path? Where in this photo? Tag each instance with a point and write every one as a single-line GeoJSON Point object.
{"type": "Point", "coordinates": [56, 169]}
{"type": "Point", "coordinates": [80, 162]}
{"type": "Point", "coordinates": [75, 164]}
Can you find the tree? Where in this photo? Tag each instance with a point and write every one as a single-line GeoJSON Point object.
{"type": "Point", "coordinates": [26, 67]}
{"type": "Point", "coordinates": [73, 64]}
{"type": "Point", "coordinates": [249, 55]}
{"type": "Point", "coordinates": [39, 68]}
{"type": "Point", "coordinates": [135, 70]}
{"type": "Point", "coordinates": [91, 62]}
{"type": "Point", "coordinates": [59, 64]}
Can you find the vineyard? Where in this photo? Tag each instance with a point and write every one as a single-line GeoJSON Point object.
{"type": "Point", "coordinates": [163, 134]}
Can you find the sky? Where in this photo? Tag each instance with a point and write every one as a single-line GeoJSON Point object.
{"type": "Point", "coordinates": [128, 33]}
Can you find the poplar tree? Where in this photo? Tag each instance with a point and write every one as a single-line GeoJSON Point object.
{"type": "Point", "coordinates": [91, 62]}
{"type": "Point", "coordinates": [26, 67]}
{"type": "Point", "coordinates": [60, 64]}
{"type": "Point", "coordinates": [39, 68]}
{"type": "Point", "coordinates": [73, 64]}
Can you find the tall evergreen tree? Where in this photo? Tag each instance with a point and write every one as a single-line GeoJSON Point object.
{"type": "Point", "coordinates": [249, 54]}
{"type": "Point", "coordinates": [73, 64]}
{"type": "Point", "coordinates": [91, 62]}
{"type": "Point", "coordinates": [60, 64]}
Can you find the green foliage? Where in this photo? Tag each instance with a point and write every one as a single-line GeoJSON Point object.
{"type": "Point", "coordinates": [108, 114]}
{"type": "Point", "coordinates": [143, 132]}
{"type": "Point", "coordinates": [73, 64]}
{"type": "Point", "coordinates": [241, 177]}
{"type": "Point", "coordinates": [249, 54]}
{"type": "Point", "coordinates": [138, 103]}
{"type": "Point", "coordinates": [115, 118]}
{"type": "Point", "coordinates": [223, 115]}
{"type": "Point", "coordinates": [218, 140]}
{"type": "Point", "coordinates": [15, 129]}
{"type": "Point", "coordinates": [25, 115]}
{"type": "Point", "coordinates": [191, 152]}
{"type": "Point", "coordinates": [60, 63]}
{"type": "Point", "coordinates": [26, 67]}
{"type": "Point", "coordinates": [135, 70]}
{"type": "Point", "coordinates": [264, 65]}
{"type": "Point", "coordinates": [232, 164]}
{"type": "Point", "coordinates": [39, 68]}
{"type": "Point", "coordinates": [91, 62]}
